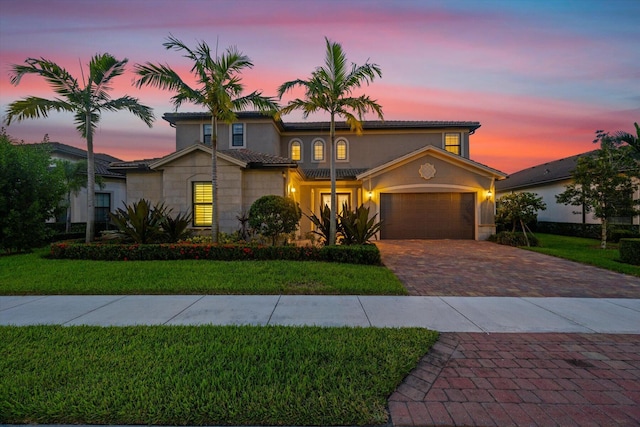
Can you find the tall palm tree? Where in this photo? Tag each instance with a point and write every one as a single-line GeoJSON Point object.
{"type": "Point", "coordinates": [628, 138]}
{"type": "Point", "coordinates": [219, 91]}
{"type": "Point", "coordinates": [87, 102]}
{"type": "Point", "coordinates": [330, 89]}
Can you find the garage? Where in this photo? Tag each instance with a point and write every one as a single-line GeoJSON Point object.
{"type": "Point", "coordinates": [427, 215]}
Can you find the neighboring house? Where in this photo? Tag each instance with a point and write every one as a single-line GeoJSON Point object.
{"type": "Point", "coordinates": [417, 175]}
{"type": "Point", "coordinates": [108, 198]}
{"type": "Point", "coordinates": [548, 180]}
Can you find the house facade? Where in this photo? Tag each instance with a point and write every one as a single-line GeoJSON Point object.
{"type": "Point", "coordinates": [549, 180]}
{"type": "Point", "coordinates": [416, 175]}
{"type": "Point", "coordinates": [108, 197]}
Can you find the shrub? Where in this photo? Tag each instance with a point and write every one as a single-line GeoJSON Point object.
{"type": "Point", "coordinates": [620, 233]}
{"type": "Point", "coordinates": [630, 251]}
{"type": "Point", "coordinates": [356, 226]}
{"type": "Point", "coordinates": [365, 254]}
{"type": "Point", "coordinates": [510, 238]}
{"type": "Point", "coordinates": [273, 216]}
{"type": "Point", "coordinates": [30, 191]}
{"type": "Point", "coordinates": [322, 224]}
{"type": "Point", "coordinates": [142, 223]}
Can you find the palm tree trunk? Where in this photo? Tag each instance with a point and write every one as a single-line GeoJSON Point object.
{"type": "Point", "coordinates": [91, 181]}
{"type": "Point", "coordinates": [67, 226]}
{"type": "Point", "coordinates": [214, 179]}
{"type": "Point", "coordinates": [603, 234]}
{"type": "Point", "coordinates": [332, 174]}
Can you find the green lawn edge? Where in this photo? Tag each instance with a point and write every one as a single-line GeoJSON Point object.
{"type": "Point", "coordinates": [34, 274]}
{"type": "Point", "coordinates": [187, 375]}
{"type": "Point", "coordinates": [585, 251]}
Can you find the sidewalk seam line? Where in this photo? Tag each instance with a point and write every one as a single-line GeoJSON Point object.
{"type": "Point", "coordinates": [23, 303]}
{"type": "Point", "coordinates": [460, 313]}
{"type": "Point", "coordinates": [527, 299]}
{"type": "Point", "coordinates": [274, 310]}
{"type": "Point", "coordinates": [97, 308]}
{"type": "Point", "coordinates": [183, 310]}
{"type": "Point", "coordinates": [364, 311]}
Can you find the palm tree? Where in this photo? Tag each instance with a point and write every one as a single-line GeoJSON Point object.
{"type": "Point", "coordinates": [628, 138]}
{"type": "Point", "coordinates": [86, 102]}
{"type": "Point", "coordinates": [219, 91]}
{"type": "Point", "coordinates": [330, 89]}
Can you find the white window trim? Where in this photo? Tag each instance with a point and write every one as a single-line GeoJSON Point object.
{"type": "Point", "coordinates": [313, 151]}
{"type": "Point", "coordinates": [444, 142]}
{"type": "Point", "coordinates": [346, 141]}
{"type": "Point", "coordinates": [299, 141]}
{"type": "Point", "coordinates": [244, 136]}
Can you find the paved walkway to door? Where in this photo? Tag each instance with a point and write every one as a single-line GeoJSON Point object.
{"type": "Point", "coordinates": [478, 268]}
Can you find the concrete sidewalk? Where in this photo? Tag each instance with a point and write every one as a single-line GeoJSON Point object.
{"type": "Point", "coordinates": [444, 314]}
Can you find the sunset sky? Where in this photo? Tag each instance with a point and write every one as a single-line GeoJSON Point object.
{"type": "Point", "coordinates": [540, 76]}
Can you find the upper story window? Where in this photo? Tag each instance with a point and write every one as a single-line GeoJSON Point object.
{"type": "Point", "coordinates": [318, 150]}
{"type": "Point", "coordinates": [206, 134]}
{"type": "Point", "coordinates": [237, 135]}
{"type": "Point", "coordinates": [452, 143]}
{"type": "Point", "coordinates": [342, 150]}
{"type": "Point", "coordinates": [295, 150]}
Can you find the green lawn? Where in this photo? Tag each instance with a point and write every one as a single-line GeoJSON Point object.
{"type": "Point", "coordinates": [204, 375]}
{"type": "Point", "coordinates": [32, 274]}
{"type": "Point", "coordinates": [586, 251]}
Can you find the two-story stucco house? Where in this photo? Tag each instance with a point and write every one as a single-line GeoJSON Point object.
{"type": "Point", "coordinates": [416, 175]}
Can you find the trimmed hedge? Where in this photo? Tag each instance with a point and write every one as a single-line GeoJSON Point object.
{"type": "Point", "coordinates": [510, 238]}
{"type": "Point", "coordinates": [353, 254]}
{"type": "Point", "coordinates": [630, 251]}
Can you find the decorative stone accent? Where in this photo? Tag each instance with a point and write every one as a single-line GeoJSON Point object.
{"type": "Point", "coordinates": [427, 171]}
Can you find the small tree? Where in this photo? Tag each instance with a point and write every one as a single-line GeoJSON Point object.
{"type": "Point", "coordinates": [519, 209]}
{"type": "Point", "coordinates": [603, 183]}
{"type": "Point", "coordinates": [273, 215]}
{"type": "Point", "coordinates": [30, 192]}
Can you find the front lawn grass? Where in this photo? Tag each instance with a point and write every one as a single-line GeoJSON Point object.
{"type": "Point", "coordinates": [586, 251]}
{"type": "Point", "coordinates": [204, 375]}
{"type": "Point", "coordinates": [32, 274]}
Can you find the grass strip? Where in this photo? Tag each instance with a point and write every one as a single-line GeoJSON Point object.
{"type": "Point", "coordinates": [204, 375]}
{"type": "Point", "coordinates": [583, 250]}
{"type": "Point", "coordinates": [32, 274]}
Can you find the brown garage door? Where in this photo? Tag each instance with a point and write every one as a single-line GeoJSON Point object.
{"type": "Point", "coordinates": [427, 216]}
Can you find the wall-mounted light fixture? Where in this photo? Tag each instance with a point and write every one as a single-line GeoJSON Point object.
{"type": "Point", "coordinates": [489, 194]}
{"type": "Point", "coordinates": [370, 194]}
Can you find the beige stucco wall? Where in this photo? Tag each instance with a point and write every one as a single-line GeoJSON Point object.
{"type": "Point", "coordinates": [373, 148]}
{"type": "Point", "coordinates": [261, 135]}
{"type": "Point", "coordinates": [144, 185]}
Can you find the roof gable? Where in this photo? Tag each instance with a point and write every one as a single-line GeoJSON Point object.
{"type": "Point", "coordinates": [437, 153]}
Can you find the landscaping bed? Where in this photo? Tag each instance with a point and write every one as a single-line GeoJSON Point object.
{"type": "Point", "coordinates": [204, 375]}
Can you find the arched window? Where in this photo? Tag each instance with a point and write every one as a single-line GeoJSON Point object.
{"type": "Point", "coordinates": [342, 150]}
{"type": "Point", "coordinates": [318, 150]}
{"type": "Point", "coordinates": [295, 150]}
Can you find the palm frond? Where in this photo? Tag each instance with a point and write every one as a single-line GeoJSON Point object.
{"type": "Point", "coordinates": [264, 104]}
{"type": "Point", "coordinates": [80, 119]}
{"type": "Point", "coordinates": [33, 107]}
{"type": "Point", "coordinates": [143, 112]}
{"type": "Point", "coordinates": [102, 69]}
{"type": "Point", "coordinates": [59, 78]}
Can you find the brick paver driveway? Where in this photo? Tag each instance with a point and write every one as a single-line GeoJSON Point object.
{"type": "Point", "coordinates": [472, 268]}
{"type": "Point", "coordinates": [514, 379]}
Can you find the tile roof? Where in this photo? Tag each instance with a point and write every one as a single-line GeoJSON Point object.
{"type": "Point", "coordinates": [556, 170]}
{"type": "Point", "coordinates": [253, 158]}
{"type": "Point", "coordinates": [325, 173]}
{"type": "Point", "coordinates": [323, 126]}
{"type": "Point", "coordinates": [101, 160]}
